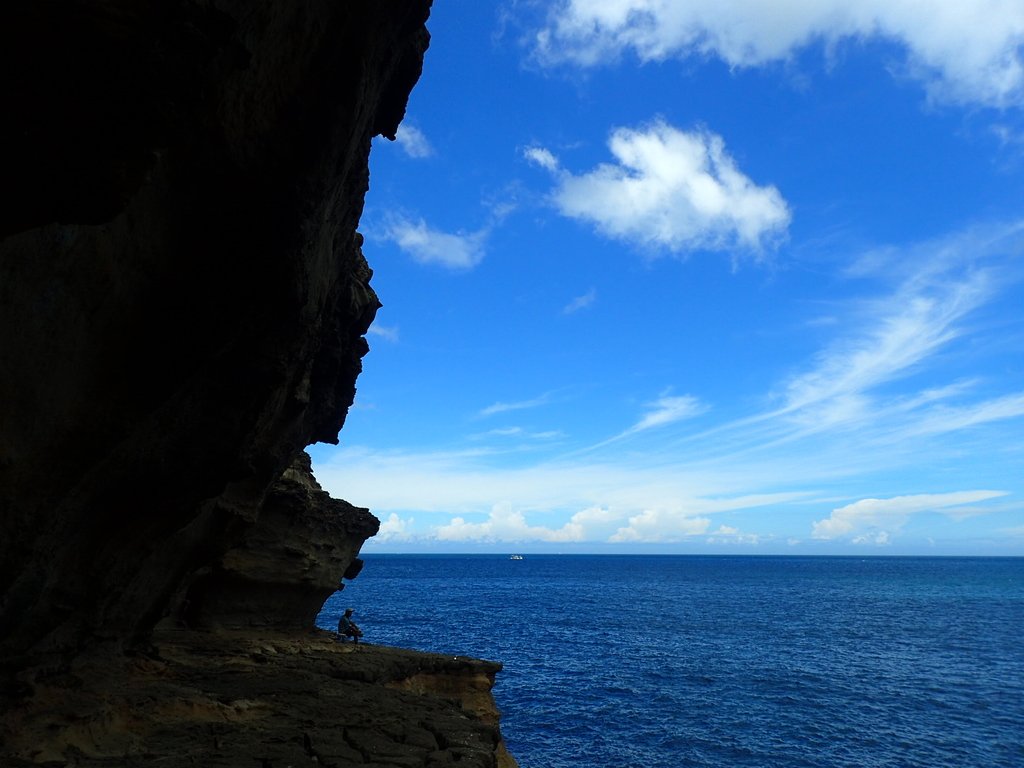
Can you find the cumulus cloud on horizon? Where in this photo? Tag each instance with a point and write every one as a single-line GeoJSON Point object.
{"type": "Point", "coordinates": [874, 520]}
{"type": "Point", "coordinates": [395, 528]}
{"type": "Point", "coordinates": [506, 524]}
{"type": "Point", "coordinates": [968, 51]}
{"type": "Point", "coordinates": [673, 190]}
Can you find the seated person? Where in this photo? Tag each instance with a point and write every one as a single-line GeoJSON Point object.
{"type": "Point", "coordinates": [348, 628]}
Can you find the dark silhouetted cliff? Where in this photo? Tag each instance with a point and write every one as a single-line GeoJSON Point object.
{"type": "Point", "coordinates": [183, 299]}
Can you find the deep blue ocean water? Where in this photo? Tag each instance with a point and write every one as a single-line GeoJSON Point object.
{"type": "Point", "coordinates": [665, 661]}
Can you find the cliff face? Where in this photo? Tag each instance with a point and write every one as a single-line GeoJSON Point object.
{"type": "Point", "coordinates": [182, 291]}
{"type": "Point", "coordinates": [183, 299]}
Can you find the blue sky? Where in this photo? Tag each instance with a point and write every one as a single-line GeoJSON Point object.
{"type": "Point", "coordinates": [696, 277]}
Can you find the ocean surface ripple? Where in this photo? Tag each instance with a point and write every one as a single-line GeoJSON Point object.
{"type": "Point", "coordinates": [768, 662]}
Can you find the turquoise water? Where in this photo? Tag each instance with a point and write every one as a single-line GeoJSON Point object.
{"type": "Point", "coordinates": [724, 661]}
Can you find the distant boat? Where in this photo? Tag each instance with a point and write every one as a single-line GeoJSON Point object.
{"type": "Point", "coordinates": [516, 557]}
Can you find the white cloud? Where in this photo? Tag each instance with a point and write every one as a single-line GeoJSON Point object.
{"type": "Point", "coordinates": [881, 538]}
{"type": "Point", "coordinates": [549, 434]}
{"type": "Point", "coordinates": [949, 419]}
{"type": "Point", "coordinates": [875, 516]}
{"type": "Point", "coordinates": [413, 142]}
{"type": "Point", "coordinates": [677, 520]}
{"type": "Point", "coordinates": [854, 387]}
{"type": "Point", "coordinates": [600, 515]}
{"type": "Point", "coordinates": [600, 496]}
{"type": "Point", "coordinates": [668, 410]}
{"type": "Point", "coordinates": [661, 525]}
{"type": "Point", "coordinates": [430, 246]}
{"type": "Point", "coordinates": [900, 339]}
{"type": "Point", "coordinates": [542, 157]}
{"type": "Point", "coordinates": [906, 331]}
{"type": "Point", "coordinates": [395, 528]}
{"type": "Point", "coordinates": [727, 534]}
{"type": "Point", "coordinates": [964, 51]}
{"type": "Point", "coordinates": [580, 302]}
{"type": "Point", "coordinates": [506, 431]}
{"type": "Point", "coordinates": [1010, 137]}
{"type": "Point", "coordinates": [674, 190]}
{"type": "Point", "coordinates": [900, 332]}
{"type": "Point", "coordinates": [906, 365]}
{"type": "Point", "coordinates": [384, 331]}
{"type": "Point", "coordinates": [505, 524]}
{"type": "Point", "coordinates": [517, 406]}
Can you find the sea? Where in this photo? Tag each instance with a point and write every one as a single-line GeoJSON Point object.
{"type": "Point", "coordinates": [721, 662]}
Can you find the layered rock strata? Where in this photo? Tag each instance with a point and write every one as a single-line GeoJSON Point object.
{"type": "Point", "coordinates": [285, 564]}
{"type": "Point", "coordinates": [183, 298]}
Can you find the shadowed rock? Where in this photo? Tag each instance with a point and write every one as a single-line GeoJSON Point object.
{"type": "Point", "coordinates": [286, 563]}
{"type": "Point", "coordinates": [183, 299]}
{"type": "Point", "coordinates": [183, 296]}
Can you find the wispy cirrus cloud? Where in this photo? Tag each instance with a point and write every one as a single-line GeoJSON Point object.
{"type": "Point", "coordinates": [580, 302]}
{"type": "Point", "coordinates": [520, 432]}
{"type": "Point", "coordinates": [904, 330]}
{"type": "Point", "coordinates": [388, 332]}
{"type": "Point", "coordinates": [501, 407]}
{"type": "Point", "coordinates": [670, 190]}
{"type": "Point", "coordinates": [668, 409]}
{"type": "Point", "coordinates": [967, 52]}
{"type": "Point", "coordinates": [951, 418]}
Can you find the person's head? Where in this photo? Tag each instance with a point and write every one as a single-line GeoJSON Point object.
{"type": "Point", "coordinates": [349, 611]}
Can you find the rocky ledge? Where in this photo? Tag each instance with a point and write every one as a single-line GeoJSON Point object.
{"type": "Point", "coordinates": [259, 698]}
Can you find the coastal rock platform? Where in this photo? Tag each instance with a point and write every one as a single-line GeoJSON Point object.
{"type": "Point", "coordinates": [262, 698]}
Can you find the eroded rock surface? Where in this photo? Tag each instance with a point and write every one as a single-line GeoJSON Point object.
{"type": "Point", "coordinates": [285, 564]}
{"type": "Point", "coordinates": [262, 698]}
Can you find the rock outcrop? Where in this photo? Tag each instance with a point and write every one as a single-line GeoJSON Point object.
{"type": "Point", "coordinates": [183, 298]}
{"type": "Point", "coordinates": [285, 564]}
